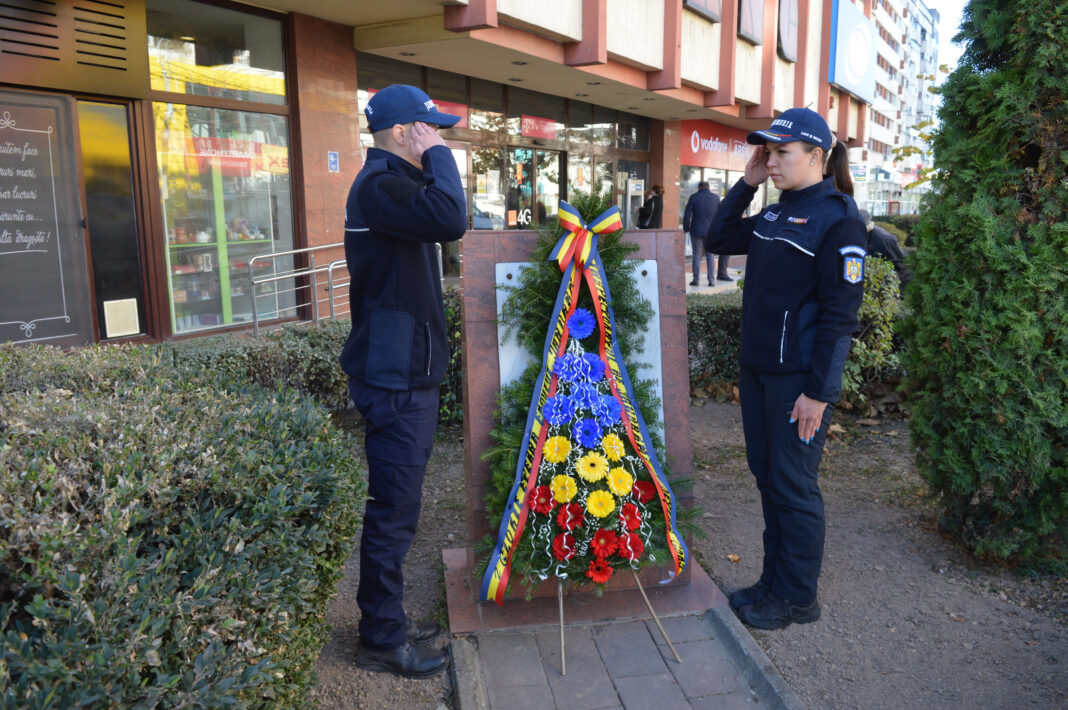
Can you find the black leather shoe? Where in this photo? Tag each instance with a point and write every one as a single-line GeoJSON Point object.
{"type": "Point", "coordinates": [749, 595]}
{"type": "Point", "coordinates": [422, 631]}
{"type": "Point", "coordinates": [410, 660]}
{"type": "Point", "coordinates": [724, 278]}
{"type": "Point", "coordinates": [773, 612]}
{"type": "Point", "coordinates": [693, 283]}
{"type": "Point", "coordinates": [711, 283]}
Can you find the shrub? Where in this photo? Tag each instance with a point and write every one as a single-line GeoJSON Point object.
{"type": "Point", "coordinates": [905, 223]}
{"type": "Point", "coordinates": [164, 541]}
{"type": "Point", "coordinates": [715, 332]}
{"type": "Point", "coordinates": [451, 408]}
{"type": "Point", "coordinates": [987, 344]}
{"type": "Point", "coordinates": [303, 356]}
{"type": "Point", "coordinates": [714, 325]}
{"type": "Point", "coordinates": [900, 234]}
{"type": "Point", "coordinates": [873, 356]}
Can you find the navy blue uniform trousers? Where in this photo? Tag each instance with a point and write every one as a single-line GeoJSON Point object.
{"type": "Point", "coordinates": [399, 427]}
{"type": "Point", "coordinates": [786, 471]}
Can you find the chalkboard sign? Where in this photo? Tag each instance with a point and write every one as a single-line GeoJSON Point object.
{"type": "Point", "coordinates": [44, 282]}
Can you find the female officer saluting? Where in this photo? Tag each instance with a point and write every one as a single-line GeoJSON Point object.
{"type": "Point", "coordinates": [803, 285]}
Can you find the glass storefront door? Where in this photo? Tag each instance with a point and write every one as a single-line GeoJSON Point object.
{"type": "Point", "coordinates": [533, 187]}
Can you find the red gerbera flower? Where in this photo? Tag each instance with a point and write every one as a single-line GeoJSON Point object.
{"type": "Point", "coordinates": [542, 501]}
{"type": "Point", "coordinates": [630, 517]}
{"type": "Point", "coordinates": [630, 546]}
{"type": "Point", "coordinates": [644, 491]}
{"type": "Point", "coordinates": [564, 546]}
{"type": "Point", "coordinates": [599, 571]}
{"type": "Point", "coordinates": [569, 516]}
{"type": "Point", "coordinates": [603, 543]}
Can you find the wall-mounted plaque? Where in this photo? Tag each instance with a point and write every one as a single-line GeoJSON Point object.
{"type": "Point", "coordinates": [44, 282]}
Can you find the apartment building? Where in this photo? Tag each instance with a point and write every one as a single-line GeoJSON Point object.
{"type": "Point", "coordinates": [895, 152]}
{"type": "Point", "coordinates": [173, 144]}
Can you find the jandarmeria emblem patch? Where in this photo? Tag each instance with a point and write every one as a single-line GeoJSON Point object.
{"type": "Point", "coordinates": [853, 263]}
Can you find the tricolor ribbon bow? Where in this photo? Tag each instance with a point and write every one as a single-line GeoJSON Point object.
{"type": "Point", "coordinates": [579, 238]}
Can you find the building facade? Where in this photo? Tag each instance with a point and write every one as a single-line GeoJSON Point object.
{"type": "Point", "coordinates": [896, 153]}
{"type": "Point", "coordinates": [190, 144]}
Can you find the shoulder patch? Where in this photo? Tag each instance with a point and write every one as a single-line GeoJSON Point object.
{"type": "Point", "coordinates": [853, 249]}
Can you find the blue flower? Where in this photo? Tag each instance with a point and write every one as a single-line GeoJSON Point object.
{"type": "Point", "coordinates": [607, 410]}
{"type": "Point", "coordinates": [587, 432]}
{"type": "Point", "coordinates": [581, 323]}
{"type": "Point", "coordinates": [584, 395]}
{"type": "Point", "coordinates": [569, 368]}
{"type": "Point", "coordinates": [558, 410]}
{"type": "Point", "coordinates": [596, 364]}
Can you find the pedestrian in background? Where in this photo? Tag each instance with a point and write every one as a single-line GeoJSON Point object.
{"type": "Point", "coordinates": [649, 214]}
{"type": "Point", "coordinates": [696, 219]}
{"type": "Point", "coordinates": [883, 244]}
{"type": "Point", "coordinates": [407, 196]}
{"type": "Point", "coordinates": [803, 286]}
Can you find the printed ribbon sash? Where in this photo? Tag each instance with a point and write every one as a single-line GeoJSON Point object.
{"type": "Point", "coordinates": [576, 253]}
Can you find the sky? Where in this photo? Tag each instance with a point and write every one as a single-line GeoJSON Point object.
{"type": "Point", "coordinates": [950, 12]}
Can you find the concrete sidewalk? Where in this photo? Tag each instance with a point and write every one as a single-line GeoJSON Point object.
{"type": "Point", "coordinates": [508, 658]}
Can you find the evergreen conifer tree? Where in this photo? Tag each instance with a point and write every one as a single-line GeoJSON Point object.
{"type": "Point", "coordinates": [987, 342]}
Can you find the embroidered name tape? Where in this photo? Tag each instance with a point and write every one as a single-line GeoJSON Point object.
{"type": "Point", "coordinates": [771, 216]}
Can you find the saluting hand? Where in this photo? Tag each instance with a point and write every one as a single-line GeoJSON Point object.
{"type": "Point", "coordinates": [422, 137]}
{"type": "Point", "coordinates": [756, 170]}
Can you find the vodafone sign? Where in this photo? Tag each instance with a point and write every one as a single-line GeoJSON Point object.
{"type": "Point", "coordinates": [711, 145]}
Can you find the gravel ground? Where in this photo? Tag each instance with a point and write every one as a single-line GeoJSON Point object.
{"type": "Point", "coordinates": [909, 621]}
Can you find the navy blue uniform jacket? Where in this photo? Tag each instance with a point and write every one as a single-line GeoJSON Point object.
{"type": "Point", "coordinates": [804, 280]}
{"type": "Point", "coordinates": [700, 209]}
{"type": "Point", "coordinates": [394, 215]}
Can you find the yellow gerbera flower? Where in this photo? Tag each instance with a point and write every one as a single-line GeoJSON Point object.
{"type": "Point", "coordinates": [613, 447]}
{"type": "Point", "coordinates": [600, 504]}
{"type": "Point", "coordinates": [620, 481]}
{"type": "Point", "coordinates": [592, 467]}
{"type": "Point", "coordinates": [564, 488]}
{"type": "Point", "coordinates": [557, 449]}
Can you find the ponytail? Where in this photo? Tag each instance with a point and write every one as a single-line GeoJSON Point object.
{"type": "Point", "coordinates": [837, 166]}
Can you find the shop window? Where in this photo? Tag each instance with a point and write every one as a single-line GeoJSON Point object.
{"type": "Point", "coordinates": [633, 131]}
{"type": "Point", "coordinates": [486, 111]}
{"type": "Point", "coordinates": [689, 177]}
{"type": "Point", "coordinates": [446, 86]}
{"type": "Point", "coordinates": [604, 126]}
{"type": "Point", "coordinates": [534, 115]}
{"type": "Point", "coordinates": [225, 188]}
{"type": "Point", "coordinates": [579, 123]}
{"type": "Point", "coordinates": [205, 50]}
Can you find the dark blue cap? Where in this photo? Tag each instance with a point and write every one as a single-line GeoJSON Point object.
{"type": "Point", "coordinates": [796, 124]}
{"type": "Point", "coordinates": [400, 103]}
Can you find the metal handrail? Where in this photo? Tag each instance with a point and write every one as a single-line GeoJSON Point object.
{"type": "Point", "coordinates": [311, 272]}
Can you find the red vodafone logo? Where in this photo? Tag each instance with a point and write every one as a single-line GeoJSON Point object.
{"type": "Point", "coordinates": [713, 145]}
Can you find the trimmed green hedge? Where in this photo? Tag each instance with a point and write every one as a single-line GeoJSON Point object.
{"type": "Point", "coordinates": [715, 332]}
{"type": "Point", "coordinates": [167, 538]}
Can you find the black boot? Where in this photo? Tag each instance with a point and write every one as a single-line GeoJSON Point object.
{"type": "Point", "coordinates": [422, 631]}
{"type": "Point", "coordinates": [410, 660]}
{"type": "Point", "coordinates": [749, 595]}
{"type": "Point", "coordinates": [773, 612]}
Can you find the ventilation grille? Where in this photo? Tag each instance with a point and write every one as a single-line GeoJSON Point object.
{"type": "Point", "coordinates": [91, 33]}
{"type": "Point", "coordinates": [101, 33]}
{"type": "Point", "coordinates": [29, 28]}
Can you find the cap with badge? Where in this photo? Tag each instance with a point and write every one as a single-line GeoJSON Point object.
{"type": "Point", "coordinates": [400, 103]}
{"type": "Point", "coordinates": [796, 124]}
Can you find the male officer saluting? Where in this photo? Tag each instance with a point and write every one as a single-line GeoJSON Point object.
{"type": "Point", "coordinates": [407, 197]}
